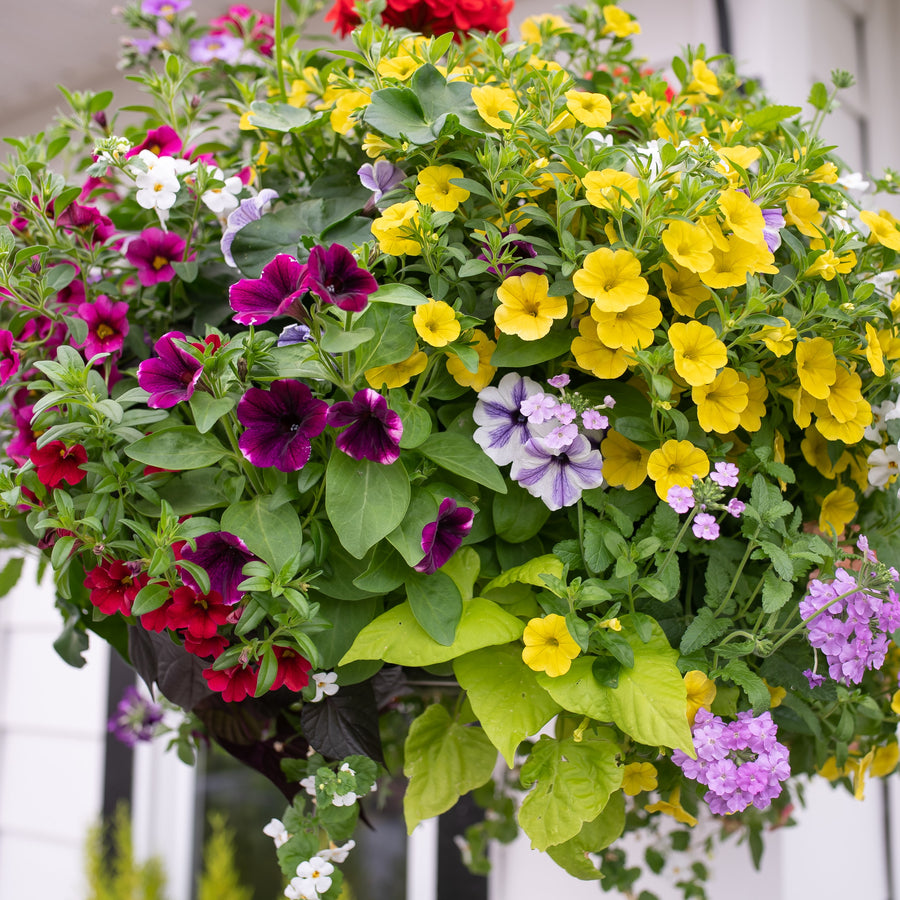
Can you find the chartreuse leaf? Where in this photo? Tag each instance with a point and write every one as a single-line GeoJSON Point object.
{"type": "Point", "coordinates": [462, 456]}
{"type": "Point", "coordinates": [274, 535]}
{"type": "Point", "coordinates": [505, 696]}
{"type": "Point", "coordinates": [650, 701]}
{"type": "Point", "coordinates": [364, 500]}
{"type": "Point", "coordinates": [595, 836]}
{"type": "Point", "coordinates": [177, 449]}
{"type": "Point", "coordinates": [572, 782]}
{"type": "Point", "coordinates": [463, 567]}
{"type": "Point", "coordinates": [396, 637]}
{"type": "Point", "coordinates": [530, 572]}
{"type": "Point", "coordinates": [443, 760]}
{"type": "Point", "coordinates": [436, 603]}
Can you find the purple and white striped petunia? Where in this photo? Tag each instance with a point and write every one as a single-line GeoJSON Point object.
{"type": "Point", "coordinates": [334, 277]}
{"type": "Point", "coordinates": [249, 210]}
{"type": "Point", "coordinates": [558, 476]}
{"type": "Point", "coordinates": [503, 428]}
{"type": "Point", "coordinates": [380, 177]}
{"type": "Point", "coordinates": [773, 219]}
{"type": "Point", "coordinates": [280, 424]}
{"type": "Point", "coordinates": [256, 300]}
{"type": "Point", "coordinates": [442, 537]}
{"type": "Point", "coordinates": [223, 555]}
{"type": "Point", "coordinates": [171, 376]}
{"type": "Point", "coordinates": [373, 431]}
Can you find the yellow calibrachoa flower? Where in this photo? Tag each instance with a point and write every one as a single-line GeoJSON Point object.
{"type": "Point", "coordinates": [874, 353]}
{"type": "Point", "coordinates": [631, 328]}
{"type": "Point", "coordinates": [397, 374]}
{"type": "Point", "coordinates": [757, 393]}
{"type": "Point", "coordinates": [298, 94]}
{"type": "Point", "coordinates": [343, 116]}
{"type": "Point", "coordinates": [851, 432]}
{"type": "Point", "coordinates": [592, 354]}
{"type": "Point", "coordinates": [803, 404]}
{"type": "Point", "coordinates": [845, 394]}
{"type": "Point", "coordinates": [688, 245]}
{"type": "Point", "coordinates": [827, 264]}
{"type": "Point", "coordinates": [895, 703]}
{"type": "Point", "coordinates": [699, 353]}
{"type": "Point", "coordinates": [435, 190]}
{"type": "Point", "coordinates": [612, 279]}
{"type": "Point", "coordinates": [814, 448]}
{"type": "Point", "coordinates": [400, 67]}
{"type": "Point", "coordinates": [676, 463]}
{"type": "Point", "coordinates": [610, 189]}
{"type": "Point", "coordinates": [720, 403]}
{"type": "Point", "coordinates": [672, 807]}
{"type": "Point", "coordinates": [827, 173]}
{"type": "Point", "coordinates": [890, 343]}
{"type": "Point", "coordinates": [642, 104]}
{"type": "Point", "coordinates": [593, 110]}
{"type": "Point", "coordinates": [883, 227]}
{"type": "Point", "coordinates": [740, 155]}
{"type": "Point", "coordinates": [701, 692]}
{"type": "Point", "coordinates": [704, 79]}
{"type": "Point", "coordinates": [479, 380]}
{"type": "Point", "coordinates": [436, 323]}
{"type": "Point", "coordinates": [548, 646]}
{"type": "Point", "coordinates": [530, 29]}
{"type": "Point", "coordinates": [624, 462]}
{"type": "Point", "coordinates": [885, 760]}
{"type": "Point", "coordinates": [816, 366]}
{"type": "Point", "coordinates": [838, 510]}
{"type": "Point", "coordinates": [778, 339]}
{"type": "Point", "coordinates": [802, 211]}
{"type": "Point", "coordinates": [374, 145]}
{"type": "Point", "coordinates": [639, 776]}
{"type": "Point", "coordinates": [491, 101]}
{"type": "Point", "coordinates": [394, 229]}
{"type": "Point", "coordinates": [619, 22]}
{"type": "Point", "coordinates": [742, 215]}
{"type": "Point", "coordinates": [684, 288]}
{"type": "Point", "coordinates": [740, 258]}
{"type": "Point", "coordinates": [525, 308]}
{"type": "Point", "coordinates": [776, 695]}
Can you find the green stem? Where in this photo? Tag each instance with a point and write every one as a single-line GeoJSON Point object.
{"type": "Point", "coordinates": [279, 51]}
{"type": "Point", "coordinates": [673, 549]}
{"type": "Point", "coordinates": [738, 571]}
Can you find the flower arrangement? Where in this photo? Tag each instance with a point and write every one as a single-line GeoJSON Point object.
{"type": "Point", "coordinates": [456, 396]}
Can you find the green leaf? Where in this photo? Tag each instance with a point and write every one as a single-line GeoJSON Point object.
{"type": "Point", "coordinates": [753, 686]}
{"type": "Point", "coordinates": [463, 567]}
{"type": "Point", "coordinates": [530, 572]}
{"type": "Point", "coordinates": [768, 117]}
{"type": "Point", "coordinates": [336, 340]}
{"type": "Point", "coordinates": [347, 618]}
{"type": "Point", "coordinates": [396, 637]}
{"type": "Point", "coordinates": [399, 293]}
{"type": "Point", "coordinates": [278, 116]}
{"type": "Point", "coordinates": [704, 629]}
{"type": "Point", "coordinates": [177, 449]}
{"type": "Point", "coordinates": [573, 781]}
{"type": "Point", "coordinates": [273, 534]}
{"type": "Point", "coordinates": [775, 592]}
{"type": "Point", "coordinates": [394, 341]}
{"type": "Point", "coordinates": [207, 410]}
{"type": "Point", "coordinates": [150, 597]}
{"type": "Point", "coordinates": [818, 96]}
{"type": "Point", "coordinates": [9, 577]}
{"type": "Point", "coordinates": [415, 419]}
{"type": "Point", "coordinates": [518, 516]}
{"type": "Point", "coordinates": [505, 696]}
{"type": "Point", "coordinates": [462, 456]}
{"type": "Point", "coordinates": [573, 854]}
{"type": "Point", "coordinates": [514, 353]}
{"type": "Point", "coordinates": [364, 500]}
{"type": "Point", "coordinates": [443, 760]}
{"type": "Point", "coordinates": [406, 538]}
{"type": "Point", "coordinates": [436, 603]}
{"type": "Point", "coordinates": [781, 562]}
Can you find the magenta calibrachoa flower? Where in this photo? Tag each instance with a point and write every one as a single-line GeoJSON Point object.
{"type": "Point", "coordinates": [442, 537]}
{"type": "Point", "coordinates": [279, 424]}
{"type": "Point", "coordinates": [274, 293]}
{"type": "Point", "coordinates": [334, 277]}
{"type": "Point", "coordinates": [9, 359]}
{"type": "Point", "coordinates": [372, 431]}
{"type": "Point", "coordinates": [171, 376]}
{"type": "Point", "coordinates": [152, 254]}
{"type": "Point", "coordinates": [222, 555]}
{"type": "Point", "coordinates": [162, 141]}
{"type": "Point", "coordinates": [107, 323]}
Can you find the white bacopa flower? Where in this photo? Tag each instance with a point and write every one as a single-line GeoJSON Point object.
{"type": "Point", "coordinates": [316, 872]}
{"type": "Point", "coordinates": [854, 182]}
{"type": "Point", "coordinates": [335, 854]}
{"type": "Point", "coordinates": [347, 799]}
{"type": "Point", "coordinates": [222, 200]}
{"type": "Point", "coordinates": [276, 830]}
{"type": "Point", "coordinates": [326, 685]}
{"type": "Point", "coordinates": [883, 465]}
{"type": "Point", "coordinates": [301, 889]}
{"type": "Point", "coordinates": [309, 785]}
{"type": "Point", "coordinates": [882, 413]}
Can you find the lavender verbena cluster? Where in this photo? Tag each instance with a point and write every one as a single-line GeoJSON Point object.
{"type": "Point", "coordinates": [550, 441]}
{"type": "Point", "coordinates": [136, 718]}
{"type": "Point", "coordinates": [851, 632]}
{"type": "Point", "coordinates": [707, 494]}
{"type": "Point", "coordinates": [740, 762]}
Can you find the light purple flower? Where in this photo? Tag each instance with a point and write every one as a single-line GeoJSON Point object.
{"type": "Point", "coordinates": [565, 414]}
{"type": "Point", "coordinates": [249, 210]}
{"type": "Point", "coordinates": [558, 476]}
{"type": "Point", "coordinates": [210, 47]}
{"type": "Point", "coordinates": [814, 679]}
{"type": "Point", "coordinates": [559, 381]}
{"type": "Point", "coordinates": [372, 430]}
{"type": "Point", "coordinates": [153, 253]}
{"type": "Point", "coordinates": [736, 507]}
{"type": "Point", "coordinates": [539, 408]}
{"type": "Point", "coordinates": [9, 358]}
{"type": "Point", "coordinates": [725, 474]}
{"type": "Point", "coordinates": [380, 177]}
{"type": "Point", "coordinates": [334, 276]}
{"type": "Point", "coordinates": [681, 499]}
{"type": "Point", "coordinates": [504, 428]}
{"type": "Point", "coordinates": [274, 293]}
{"type": "Point", "coordinates": [171, 376]}
{"type": "Point", "coordinates": [136, 718]}
{"type": "Point", "coordinates": [705, 526]}
{"type": "Point", "coordinates": [774, 222]}
{"type": "Point", "coordinates": [279, 425]}
{"type": "Point", "coordinates": [561, 437]}
{"type": "Point", "coordinates": [164, 8]}
{"type": "Point", "coordinates": [223, 555]}
{"type": "Point", "coordinates": [293, 334]}
{"type": "Point", "coordinates": [442, 537]}
{"type": "Point", "coordinates": [863, 546]}
{"type": "Point", "coordinates": [594, 421]}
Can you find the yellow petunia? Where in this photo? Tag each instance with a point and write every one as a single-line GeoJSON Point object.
{"type": "Point", "coordinates": [593, 110]}
{"type": "Point", "coordinates": [642, 105]}
{"type": "Point", "coordinates": [827, 173]}
{"type": "Point", "coordinates": [630, 328]}
{"type": "Point", "coordinates": [548, 646]}
{"type": "Point", "coordinates": [612, 279]}
{"type": "Point", "coordinates": [624, 462]}
{"type": "Point", "coordinates": [883, 227]}
{"type": "Point", "coordinates": [531, 28]}
{"type": "Point", "coordinates": [885, 760]}
{"type": "Point", "coordinates": [699, 353]}
{"type": "Point", "coordinates": [704, 80]}
{"type": "Point", "coordinates": [779, 339]}
{"type": "Point", "coordinates": [434, 188]}
{"type": "Point", "coordinates": [396, 229]}
{"type": "Point", "coordinates": [839, 509]}
{"type": "Point", "coordinates": [436, 323]}
{"type": "Point", "coordinates": [739, 155]}
{"type": "Point", "coordinates": [851, 432]}
{"type": "Point", "coordinates": [401, 67]}
{"type": "Point", "coordinates": [676, 463]}
{"type": "Point", "coordinates": [814, 448]}
{"type": "Point", "coordinates": [816, 366]}
{"type": "Point", "coordinates": [684, 289]}
{"type": "Point", "coordinates": [525, 308]}
{"type": "Point", "coordinates": [479, 380]}
{"type": "Point", "coordinates": [618, 22]}
{"type": "Point", "coordinates": [802, 211]}
{"type": "Point", "coordinates": [688, 245]}
{"type": "Point", "coordinates": [827, 265]}
{"type": "Point", "coordinates": [874, 353]}
{"type": "Point", "coordinates": [592, 354]}
{"type": "Point", "coordinates": [742, 215]}
{"type": "Point", "coordinates": [740, 258]}
{"type": "Point", "coordinates": [845, 394]}
{"type": "Point", "coordinates": [757, 393]}
{"type": "Point", "coordinates": [638, 777]}
{"type": "Point", "coordinates": [611, 189]}
{"type": "Point", "coordinates": [344, 116]}
{"type": "Point", "coordinates": [397, 374]}
{"type": "Point", "coordinates": [701, 691]}
{"type": "Point", "coordinates": [491, 101]}
{"type": "Point", "coordinates": [720, 403]}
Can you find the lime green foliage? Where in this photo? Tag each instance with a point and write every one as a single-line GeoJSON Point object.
{"type": "Point", "coordinates": [220, 879]}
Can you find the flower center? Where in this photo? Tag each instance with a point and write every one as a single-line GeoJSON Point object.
{"type": "Point", "coordinates": [159, 262]}
{"type": "Point", "coordinates": [104, 331]}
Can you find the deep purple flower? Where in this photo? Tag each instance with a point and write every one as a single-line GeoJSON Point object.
{"type": "Point", "coordinates": [87, 220]}
{"type": "Point", "coordinates": [136, 718]}
{"type": "Point", "coordinates": [153, 254]}
{"type": "Point", "coordinates": [558, 476]}
{"type": "Point", "coordinates": [223, 555]}
{"type": "Point", "coordinates": [9, 359]}
{"type": "Point", "coordinates": [504, 428]}
{"type": "Point", "coordinates": [256, 300]}
{"type": "Point", "coordinates": [380, 177]}
{"type": "Point", "coordinates": [373, 431]}
{"type": "Point", "coordinates": [249, 210]}
{"type": "Point", "coordinates": [442, 537]}
{"type": "Point", "coordinates": [211, 47]}
{"type": "Point", "coordinates": [171, 376]}
{"type": "Point", "coordinates": [107, 323]}
{"type": "Point", "coordinates": [520, 251]}
{"type": "Point", "coordinates": [280, 424]}
{"type": "Point", "coordinates": [334, 277]}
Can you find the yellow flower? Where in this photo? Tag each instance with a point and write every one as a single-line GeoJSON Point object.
{"type": "Point", "coordinates": [610, 189]}
{"type": "Point", "coordinates": [720, 403]}
{"type": "Point", "coordinates": [779, 339]}
{"type": "Point", "coordinates": [816, 367]}
{"type": "Point", "coordinates": [676, 463]}
{"type": "Point", "coordinates": [802, 211]}
{"type": "Point", "coordinates": [827, 173]}
{"type": "Point", "coordinates": [757, 392]}
{"type": "Point", "coordinates": [401, 67]}
{"type": "Point", "coordinates": [525, 309]}
{"type": "Point", "coordinates": [631, 328]}
{"type": "Point", "coordinates": [704, 79]}
{"type": "Point", "coordinates": [548, 646]}
{"type": "Point", "coordinates": [624, 462]}
{"type": "Point", "coordinates": [530, 29]}
{"type": "Point", "coordinates": [374, 145]}
{"type": "Point", "coordinates": [639, 776]}
{"type": "Point", "coordinates": [642, 104]}
{"type": "Point", "coordinates": [689, 245]}
{"type": "Point", "coordinates": [742, 215]}
{"type": "Point", "coordinates": [592, 354]}
{"type": "Point", "coordinates": [684, 289]}
{"type": "Point", "coordinates": [851, 432]}
{"type": "Point", "coordinates": [895, 703]}
{"type": "Point", "coordinates": [593, 110]}
{"type": "Point", "coordinates": [491, 101]}
{"type": "Point", "coordinates": [435, 190]}
{"type": "Point", "coordinates": [343, 116]}
{"type": "Point", "coordinates": [612, 278]}
{"type": "Point", "coordinates": [739, 155]}
{"type": "Point", "coordinates": [845, 394]}
{"type": "Point", "coordinates": [436, 323]}
{"type": "Point", "coordinates": [885, 760]}
{"type": "Point", "coordinates": [397, 374]}
{"type": "Point", "coordinates": [699, 354]}
{"type": "Point", "coordinates": [883, 228]}
{"type": "Point", "coordinates": [740, 258]}
{"type": "Point", "coordinates": [618, 22]}
{"type": "Point", "coordinates": [776, 695]}
{"type": "Point", "coordinates": [701, 692]}
{"type": "Point", "coordinates": [479, 380]}
{"type": "Point", "coordinates": [672, 807]}
{"type": "Point", "coordinates": [874, 353]}
{"type": "Point", "coordinates": [827, 265]}
{"type": "Point", "coordinates": [814, 448]}
{"type": "Point", "coordinates": [858, 771]}
{"type": "Point", "coordinates": [395, 230]}
{"type": "Point", "coordinates": [838, 510]}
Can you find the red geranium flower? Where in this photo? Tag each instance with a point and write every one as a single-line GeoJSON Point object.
{"type": "Point", "coordinates": [113, 585]}
{"type": "Point", "coordinates": [55, 462]}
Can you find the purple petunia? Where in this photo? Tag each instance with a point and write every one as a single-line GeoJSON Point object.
{"type": "Point", "coordinates": [503, 428]}
{"type": "Point", "coordinates": [136, 718]}
{"type": "Point", "coordinates": [153, 253]}
{"type": "Point", "coordinates": [372, 430]}
{"type": "Point", "coordinates": [210, 47]}
{"type": "Point", "coordinates": [442, 537]}
{"type": "Point", "coordinates": [249, 210]}
{"type": "Point", "coordinates": [293, 334]}
{"type": "Point", "coordinates": [380, 177]}
{"type": "Point", "coordinates": [256, 300]}
{"type": "Point", "coordinates": [279, 425]}
{"type": "Point", "coordinates": [171, 376]}
{"type": "Point", "coordinates": [334, 277]}
{"type": "Point", "coordinates": [223, 555]}
{"type": "Point", "coordinates": [558, 476]}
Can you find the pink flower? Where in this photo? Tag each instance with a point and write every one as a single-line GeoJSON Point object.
{"type": "Point", "coordinates": [153, 254]}
{"type": "Point", "coordinates": [163, 141]}
{"type": "Point", "coordinates": [9, 359]}
{"type": "Point", "coordinates": [107, 323]}
{"type": "Point", "coordinates": [705, 526]}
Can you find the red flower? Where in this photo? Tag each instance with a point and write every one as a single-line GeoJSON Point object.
{"type": "Point", "coordinates": [293, 670]}
{"type": "Point", "coordinates": [233, 684]}
{"type": "Point", "coordinates": [212, 646]}
{"type": "Point", "coordinates": [113, 585]}
{"type": "Point", "coordinates": [430, 16]}
{"type": "Point", "coordinates": [55, 462]}
{"type": "Point", "coordinates": [199, 614]}
{"type": "Point", "coordinates": [158, 619]}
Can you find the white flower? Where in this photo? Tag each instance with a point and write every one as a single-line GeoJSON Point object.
{"type": "Point", "coordinates": [881, 414]}
{"type": "Point", "coordinates": [316, 872]}
{"type": "Point", "coordinates": [224, 199]}
{"type": "Point", "coordinates": [599, 139]}
{"type": "Point", "coordinates": [854, 181]}
{"type": "Point", "coordinates": [309, 785]}
{"type": "Point", "coordinates": [347, 799]}
{"type": "Point", "coordinates": [326, 686]}
{"type": "Point", "coordinates": [337, 854]}
{"type": "Point", "coordinates": [301, 889]}
{"type": "Point", "coordinates": [113, 149]}
{"type": "Point", "coordinates": [276, 830]}
{"type": "Point", "coordinates": [883, 465]}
